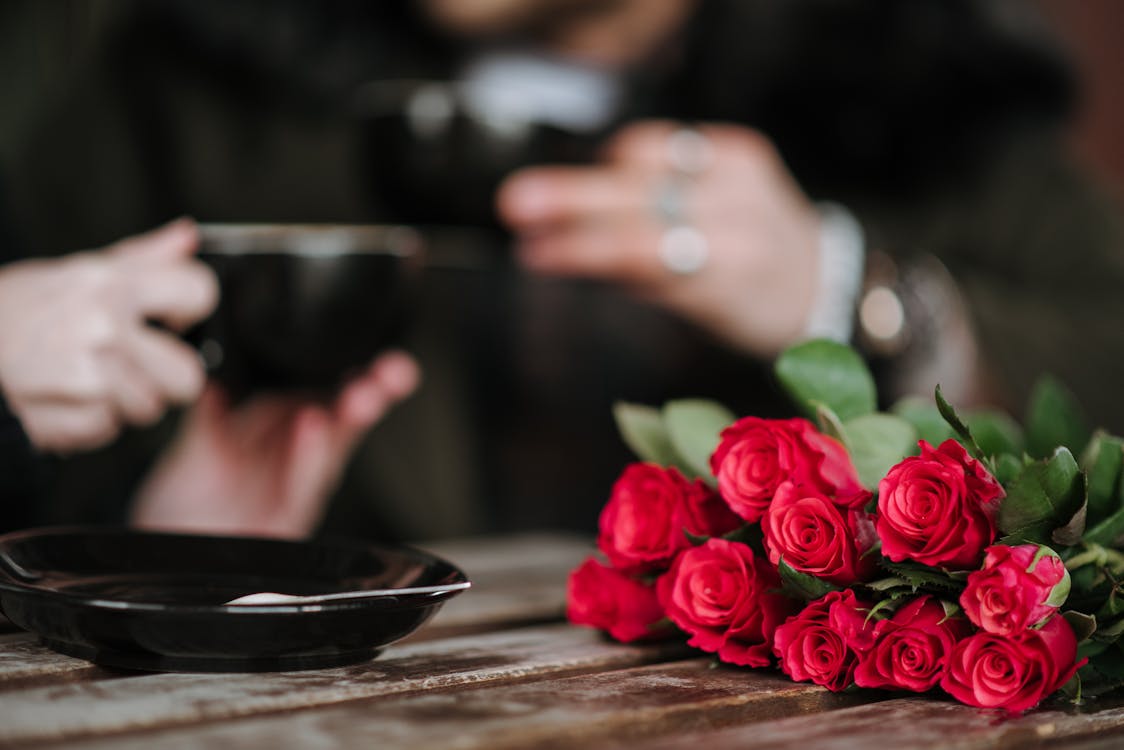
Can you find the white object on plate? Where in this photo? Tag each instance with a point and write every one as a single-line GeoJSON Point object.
{"type": "Point", "coordinates": [270, 597]}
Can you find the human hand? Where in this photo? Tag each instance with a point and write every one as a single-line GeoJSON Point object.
{"type": "Point", "coordinates": [78, 359]}
{"type": "Point", "coordinates": [755, 288]}
{"type": "Point", "coordinates": [267, 466]}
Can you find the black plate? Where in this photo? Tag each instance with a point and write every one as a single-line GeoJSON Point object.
{"type": "Point", "coordinates": [152, 601]}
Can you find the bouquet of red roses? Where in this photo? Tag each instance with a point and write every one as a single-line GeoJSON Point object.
{"type": "Point", "coordinates": [913, 549]}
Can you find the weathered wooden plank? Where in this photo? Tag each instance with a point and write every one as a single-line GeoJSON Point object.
{"type": "Point", "coordinates": [23, 662]}
{"type": "Point", "coordinates": [162, 700]}
{"type": "Point", "coordinates": [929, 723]}
{"type": "Point", "coordinates": [515, 580]}
{"type": "Point", "coordinates": [574, 711]}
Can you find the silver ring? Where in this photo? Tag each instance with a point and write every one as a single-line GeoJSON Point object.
{"type": "Point", "coordinates": [683, 250]}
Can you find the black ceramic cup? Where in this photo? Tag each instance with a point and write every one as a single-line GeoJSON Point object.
{"type": "Point", "coordinates": [302, 307]}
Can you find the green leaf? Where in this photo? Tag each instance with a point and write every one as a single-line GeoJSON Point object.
{"type": "Point", "coordinates": [1108, 532]}
{"type": "Point", "coordinates": [922, 576]}
{"type": "Point", "coordinates": [951, 609]}
{"type": "Point", "coordinates": [1083, 625]}
{"type": "Point", "coordinates": [1111, 609]}
{"type": "Point", "coordinates": [1102, 460]}
{"type": "Point", "coordinates": [693, 426]}
{"type": "Point", "coordinates": [802, 585]}
{"type": "Point", "coordinates": [1105, 671]}
{"type": "Point", "coordinates": [830, 424]}
{"type": "Point", "coordinates": [1008, 468]}
{"type": "Point", "coordinates": [1054, 418]}
{"type": "Point", "coordinates": [956, 423]}
{"type": "Point", "coordinates": [925, 417]}
{"type": "Point", "coordinates": [643, 430]}
{"type": "Point", "coordinates": [995, 432]}
{"type": "Point", "coordinates": [1110, 633]}
{"type": "Point", "coordinates": [1046, 493]}
{"type": "Point", "coordinates": [1037, 533]}
{"type": "Point", "coordinates": [877, 442]}
{"type": "Point", "coordinates": [696, 540]}
{"type": "Point", "coordinates": [829, 373]}
{"type": "Point", "coordinates": [1071, 532]}
{"type": "Point", "coordinates": [887, 584]}
{"type": "Point", "coordinates": [876, 610]}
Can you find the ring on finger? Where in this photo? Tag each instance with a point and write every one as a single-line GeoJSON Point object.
{"type": "Point", "coordinates": [683, 249]}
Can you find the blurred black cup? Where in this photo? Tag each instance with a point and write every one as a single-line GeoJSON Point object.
{"type": "Point", "coordinates": [303, 307]}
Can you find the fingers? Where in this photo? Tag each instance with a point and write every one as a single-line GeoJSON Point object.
{"type": "Point", "coordinates": [158, 278]}
{"type": "Point", "coordinates": [171, 367]}
{"type": "Point", "coordinates": [662, 146]}
{"type": "Point", "coordinates": [67, 427]}
{"type": "Point", "coordinates": [364, 400]}
{"type": "Point", "coordinates": [621, 251]}
{"type": "Point", "coordinates": [175, 240]}
{"type": "Point", "coordinates": [314, 465]}
{"type": "Point", "coordinates": [134, 397]}
{"type": "Point", "coordinates": [552, 195]}
{"type": "Point", "coordinates": [177, 295]}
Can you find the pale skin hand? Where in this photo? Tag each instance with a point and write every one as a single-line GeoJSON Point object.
{"type": "Point", "coordinates": [78, 360]}
{"type": "Point", "coordinates": [755, 290]}
{"type": "Point", "coordinates": [267, 466]}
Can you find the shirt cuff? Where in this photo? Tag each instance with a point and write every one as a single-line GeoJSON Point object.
{"type": "Point", "coordinates": [842, 255]}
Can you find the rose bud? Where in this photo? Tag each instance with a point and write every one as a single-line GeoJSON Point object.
{"type": "Point", "coordinates": [727, 599]}
{"type": "Point", "coordinates": [626, 609]}
{"type": "Point", "coordinates": [812, 648]}
{"type": "Point", "coordinates": [642, 526]}
{"type": "Point", "coordinates": [754, 456]}
{"type": "Point", "coordinates": [815, 536]}
{"type": "Point", "coordinates": [1014, 672]}
{"type": "Point", "coordinates": [1014, 590]}
{"type": "Point", "coordinates": [938, 508]}
{"type": "Point", "coordinates": [911, 649]}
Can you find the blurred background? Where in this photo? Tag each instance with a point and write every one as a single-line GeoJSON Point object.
{"type": "Point", "coordinates": [117, 115]}
{"type": "Point", "coordinates": [45, 42]}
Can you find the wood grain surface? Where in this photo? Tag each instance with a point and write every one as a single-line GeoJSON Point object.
{"type": "Point", "coordinates": [497, 668]}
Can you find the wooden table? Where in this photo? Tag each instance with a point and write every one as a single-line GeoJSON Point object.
{"type": "Point", "coordinates": [499, 668]}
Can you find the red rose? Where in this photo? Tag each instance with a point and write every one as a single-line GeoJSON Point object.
{"type": "Point", "coordinates": [727, 599]}
{"type": "Point", "coordinates": [911, 649]}
{"type": "Point", "coordinates": [1012, 672]}
{"type": "Point", "coordinates": [938, 508]}
{"type": "Point", "coordinates": [812, 647]}
{"type": "Point", "coordinates": [1009, 594]}
{"type": "Point", "coordinates": [851, 619]}
{"type": "Point", "coordinates": [608, 600]}
{"type": "Point", "coordinates": [837, 474]}
{"type": "Point", "coordinates": [754, 456]}
{"type": "Point", "coordinates": [642, 525]}
{"type": "Point", "coordinates": [815, 536]}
